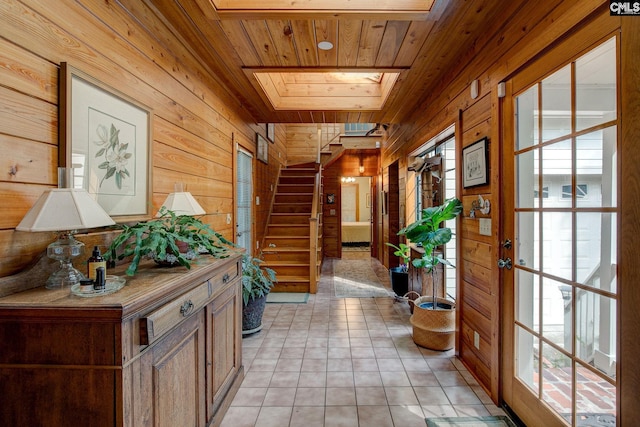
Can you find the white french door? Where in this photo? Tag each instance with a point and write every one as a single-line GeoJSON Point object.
{"type": "Point", "coordinates": [244, 198]}
{"type": "Point", "coordinates": [559, 274]}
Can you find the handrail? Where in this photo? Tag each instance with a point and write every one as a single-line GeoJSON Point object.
{"type": "Point", "coordinates": [313, 236]}
{"type": "Point", "coordinates": [337, 136]}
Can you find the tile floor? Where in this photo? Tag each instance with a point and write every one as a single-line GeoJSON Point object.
{"type": "Point", "coordinates": [348, 362]}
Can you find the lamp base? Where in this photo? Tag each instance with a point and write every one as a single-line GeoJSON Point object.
{"type": "Point", "coordinates": [67, 276]}
{"type": "Point", "coordinates": [64, 250]}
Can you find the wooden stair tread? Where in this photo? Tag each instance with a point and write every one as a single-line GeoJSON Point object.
{"type": "Point", "coordinates": [284, 263]}
{"type": "Point", "coordinates": [284, 249]}
{"type": "Point", "coordinates": [282, 278]}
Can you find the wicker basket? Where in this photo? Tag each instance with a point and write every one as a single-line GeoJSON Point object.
{"type": "Point", "coordinates": [434, 329]}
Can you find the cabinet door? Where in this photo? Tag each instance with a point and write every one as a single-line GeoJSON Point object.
{"type": "Point", "coordinates": [224, 358]}
{"type": "Point", "coordinates": [175, 376]}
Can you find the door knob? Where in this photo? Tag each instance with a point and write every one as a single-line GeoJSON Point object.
{"type": "Point", "coordinates": [505, 263]}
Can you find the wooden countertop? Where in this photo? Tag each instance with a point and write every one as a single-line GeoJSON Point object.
{"type": "Point", "coordinates": [150, 284]}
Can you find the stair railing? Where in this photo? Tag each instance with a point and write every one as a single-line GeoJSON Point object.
{"type": "Point", "coordinates": [314, 222]}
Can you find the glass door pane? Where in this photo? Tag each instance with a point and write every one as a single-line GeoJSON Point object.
{"type": "Point", "coordinates": [565, 231]}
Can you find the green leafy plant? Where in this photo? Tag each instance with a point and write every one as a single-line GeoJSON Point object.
{"type": "Point", "coordinates": [257, 281]}
{"type": "Point", "coordinates": [429, 233]}
{"type": "Point", "coordinates": [402, 251]}
{"type": "Point", "coordinates": [161, 237]}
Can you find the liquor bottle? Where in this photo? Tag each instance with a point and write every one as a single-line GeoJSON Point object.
{"type": "Point", "coordinates": [94, 262]}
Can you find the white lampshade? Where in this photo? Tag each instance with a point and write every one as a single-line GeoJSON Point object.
{"type": "Point", "coordinates": [182, 203]}
{"type": "Point", "coordinates": [62, 209]}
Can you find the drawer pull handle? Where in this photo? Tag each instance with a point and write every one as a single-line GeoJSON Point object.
{"type": "Point", "coordinates": [225, 278]}
{"type": "Point", "coordinates": [186, 308]}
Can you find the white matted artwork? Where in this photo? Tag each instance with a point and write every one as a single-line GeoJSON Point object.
{"type": "Point", "coordinates": [105, 137]}
{"type": "Point", "coordinates": [263, 148]}
{"type": "Point", "coordinates": [474, 164]}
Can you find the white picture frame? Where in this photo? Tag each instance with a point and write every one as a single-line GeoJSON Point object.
{"type": "Point", "coordinates": [474, 164]}
{"type": "Point", "coordinates": [106, 137]}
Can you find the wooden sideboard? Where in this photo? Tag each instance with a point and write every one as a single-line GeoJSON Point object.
{"type": "Point", "coordinates": [165, 350]}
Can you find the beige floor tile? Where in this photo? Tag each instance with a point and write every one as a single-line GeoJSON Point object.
{"type": "Point", "coordinates": [257, 379]}
{"type": "Point", "coordinates": [315, 353]}
{"type": "Point", "coordinates": [450, 378]}
{"type": "Point", "coordinates": [249, 396]}
{"type": "Point", "coordinates": [263, 365]}
{"type": "Point", "coordinates": [378, 416]}
{"type": "Point", "coordinates": [367, 379]}
{"type": "Point", "coordinates": [362, 353]}
{"type": "Point", "coordinates": [422, 379]}
{"type": "Point", "coordinates": [392, 365]}
{"type": "Point", "coordinates": [288, 365]}
{"type": "Point", "coordinates": [240, 416]}
{"type": "Point", "coordinates": [340, 396]}
{"type": "Point", "coordinates": [440, 364]}
{"type": "Point", "coordinates": [371, 396]}
{"type": "Point", "coordinates": [365, 365]}
{"type": "Point", "coordinates": [338, 352]}
{"type": "Point", "coordinates": [310, 396]}
{"type": "Point", "coordinates": [274, 416]}
{"type": "Point", "coordinates": [395, 379]}
{"type": "Point", "coordinates": [401, 396]}
{"type": "Point", "coordinates": [312, 379]}
{"type": "Point", "coordinates": [307, 416]}
{"type": "Point", "coordinates": [419, 365]}
{"type": "Point", "coordinates": [279, 396]}
{"type": "Point", "coordinates": [340, 379]}
{"type": "Point", "coordinates": [339, 365]}
{"type": "Point", "coordinates": [471, 410]}
{"type": "Point", "coordinates": [407, 416]}
{"type": "Point", "coordinates": [435, 411]}
{"type": "Point", "coordinates": [292, 352]}
{"type": "Point", "coordinates": [284, 379]}
{"type": "Point", "coordinates": [431, 396]}
{"type": "Point", "coordinates": [461, 395]}
{"type": "Point", "coordinates": [341, 416]}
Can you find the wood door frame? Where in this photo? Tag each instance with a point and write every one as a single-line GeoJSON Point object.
{"type": "Point", "coordinates": [580, 42]}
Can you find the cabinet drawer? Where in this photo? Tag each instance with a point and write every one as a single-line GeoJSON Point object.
{"type": "Point", "coordinates": [166, 317]}
{"type": "Point", "coordinates": [224, 276]}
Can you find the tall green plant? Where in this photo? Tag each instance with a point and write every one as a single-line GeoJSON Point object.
{"type": "Point", "coordinates": [429, 233]}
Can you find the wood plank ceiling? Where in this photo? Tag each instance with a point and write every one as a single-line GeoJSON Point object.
{"type": "Point", "coordinates": [270, 60]}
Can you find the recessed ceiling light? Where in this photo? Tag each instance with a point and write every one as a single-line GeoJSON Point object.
{"type": "Point", "coordinates": [325, 45]}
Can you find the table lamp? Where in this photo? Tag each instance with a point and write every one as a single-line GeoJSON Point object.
{"type": "Point", "coordinates": [64, 210]}
{"type": "Point", "coordinates": [181, 203]}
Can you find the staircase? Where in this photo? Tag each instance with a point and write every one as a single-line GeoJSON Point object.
{"type": "Point", "coordinates": [292, 245]}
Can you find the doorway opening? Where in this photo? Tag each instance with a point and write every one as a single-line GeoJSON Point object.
{"type": "Point", "coordinates": [356, 213]}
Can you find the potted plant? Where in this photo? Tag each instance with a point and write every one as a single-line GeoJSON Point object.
{"type": "Point", "coordinates": [169, 239]}
{"type": "Point", "coordinates": [433, 318]}
{"type": "Point", "coordinates": [257, 282]}
{"type": "Point", "coordinates": [400, 274]}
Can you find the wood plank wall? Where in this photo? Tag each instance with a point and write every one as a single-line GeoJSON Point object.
{"type": "Point", "coordinates": [194, 117]}
{"type": "Point", "coordinates": [511, 47]}
{"type": "Point", "coordinates": [302, 140]}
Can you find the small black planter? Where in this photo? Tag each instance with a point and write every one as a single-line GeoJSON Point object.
{"type": "Point", "coordinates": [252, 315]}
{"type": "Point", "coordinates": [399, 281]}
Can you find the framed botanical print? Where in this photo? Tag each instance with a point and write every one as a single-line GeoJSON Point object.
{"type": "Point", "coordinates": [105, 136]}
